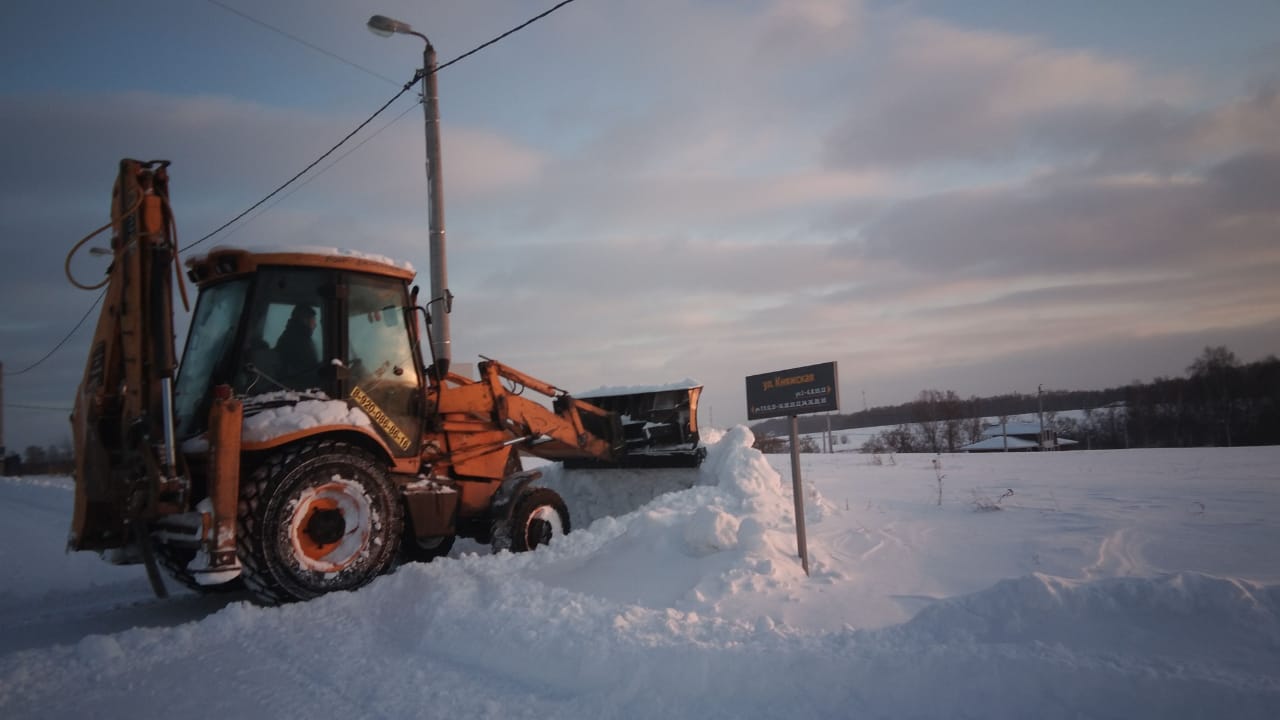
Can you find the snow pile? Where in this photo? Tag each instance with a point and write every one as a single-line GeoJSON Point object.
{"type": "Point", "coordinates": [694, 605]}
{"type": "Point", "coordinates": [722, 545]}
{"type": "Point", "coordinates": [1183, 645]}
{"type": "Point", "coordinates": [594, 494]}
{"type": "Point", "coordinates": [1188, 618]}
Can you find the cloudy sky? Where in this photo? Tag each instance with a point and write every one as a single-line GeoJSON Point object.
{"type": "Point", "coordinates": [952, 194]}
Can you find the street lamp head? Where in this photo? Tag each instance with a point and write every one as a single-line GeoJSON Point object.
{"type": "Point", "coordinates": [386, 27]}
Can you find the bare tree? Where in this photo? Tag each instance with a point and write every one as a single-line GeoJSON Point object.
{"type": "Point", "coordinates": [952, 408]}
{"type": "Point", "coordinates": [972, 430]}
{"type": "Point", "coordinates": [1213, 371]}
{"type": "Point", "coordinates": [928, 414]}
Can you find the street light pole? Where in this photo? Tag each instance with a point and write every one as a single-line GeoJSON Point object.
{"type": "Point", "coordinates": [441, 299]}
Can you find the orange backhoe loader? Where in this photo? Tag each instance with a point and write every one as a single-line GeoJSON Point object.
{"type": "Point", "coordinates": [306, 444]}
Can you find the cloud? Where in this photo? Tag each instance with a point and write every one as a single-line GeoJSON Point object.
{"type": "Point", "coordinates": [797, 29]}
{"type": "Point", "coordinates": [1056, 225]}
{"type": "Point", "coordinates": [1164, 138]}
{"type": "Point", "coordinates": [656, 190]}
{"type": "Point", "coordinates": [480, 162]}
{"type": "Point", "coordinates": [949, 94]}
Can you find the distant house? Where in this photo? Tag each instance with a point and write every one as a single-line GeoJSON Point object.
{"type": "Point", "coordinates": [1017, 436]}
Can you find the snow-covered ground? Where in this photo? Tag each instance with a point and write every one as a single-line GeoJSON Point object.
{"type": "Point", "coordinates": [1125, 584]}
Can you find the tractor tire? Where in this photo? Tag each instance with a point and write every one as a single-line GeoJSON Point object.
{"type": "Point", "coordinates": [539, 517]}
{"type": "Point", "coordinates": [316, 517]}
{"type": "Point", "coordinates": [174, 560]}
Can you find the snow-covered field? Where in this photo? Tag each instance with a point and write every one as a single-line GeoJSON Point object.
{"type": "Point", "coordinates": [1125, 584]}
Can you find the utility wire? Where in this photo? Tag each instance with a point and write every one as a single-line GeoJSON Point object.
{"type": "Point", "coordinates": [317, 161]}
{"type": "Point", "coordinates": [300, 41]}
{"type": "Point", "coordinates": [416, 77]}
{"type": "Point", "coordinates": [16, 406]}
{"type": "Point", "coordinates": [64, 340]}
{"type": "Point", "coordinates": [325, 169]}
{"type": "Point", "coordinates": [512, 31]}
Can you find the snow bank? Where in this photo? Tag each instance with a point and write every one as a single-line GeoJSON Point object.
{"type": "Point", "coordinates": [1188, 618]}
{"type": "Point", "coordinates": [686, 607]}
{"type": "Point", "coordinates": [713, 533]}
{"type": "Point", "coordinates": [1184, 645]}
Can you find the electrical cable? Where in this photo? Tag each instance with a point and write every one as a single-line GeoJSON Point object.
{"type": "Point", "coordinates": [416, 77]}
{"type": "Point", "coordinates": [325, 169]}
{"type": "Point", "coordinates": [16, 406]}
{"type": "Point", "coordinates": [512, 31]}
{"type": "Point", "coordinates": [300, 41]}
{"type": "Point", "coordinates": [64, 340]}
{"type": "Point", "coordinates": [303, 171]}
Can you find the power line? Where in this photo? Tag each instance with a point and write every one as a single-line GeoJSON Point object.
{"type": "Point", "coordinates": [512, 31]}
{"type": "Point", "coordinates": [64, 340]}
{"type": "Point", "coordinates": [36, 407]}
{"type": "Point", "coordinates": [326, 168]}
{"type": "Point", "coordinates": [300, 41]}
{"type": "Point", "coordinates": [317, 161]}
{"type": "Point", "coordinates": [416, 77]}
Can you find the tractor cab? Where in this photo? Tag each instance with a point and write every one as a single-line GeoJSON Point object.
{"type": "Point", "coordinates": [278, 327]}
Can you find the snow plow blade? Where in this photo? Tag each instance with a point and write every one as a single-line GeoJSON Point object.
{"type": "Point", "coordinates": [659, 427]}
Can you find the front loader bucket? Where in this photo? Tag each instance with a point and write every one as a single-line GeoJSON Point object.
{"type": "Point", "coordinates": [659, 426]}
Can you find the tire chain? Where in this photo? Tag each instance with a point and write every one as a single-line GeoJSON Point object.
{"type": "Point", "coordinates": [256, 576]}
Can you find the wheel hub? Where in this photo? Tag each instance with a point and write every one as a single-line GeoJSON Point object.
{"type": "Point", "coordinates": [540, 532]}
{"type": "Point", "coordinates": [326, 526]}
{"type": "Point", "coordinates": [331, 526]}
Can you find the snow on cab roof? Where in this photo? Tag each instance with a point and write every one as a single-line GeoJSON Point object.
{"type": "Point", "coordinates": [320, 250]}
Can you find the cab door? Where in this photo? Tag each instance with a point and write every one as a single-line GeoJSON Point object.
{"type": "Point", "coordinates": [383, 377]}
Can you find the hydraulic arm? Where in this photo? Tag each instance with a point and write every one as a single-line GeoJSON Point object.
{"type": "Point", "coordinates": [128, 469]}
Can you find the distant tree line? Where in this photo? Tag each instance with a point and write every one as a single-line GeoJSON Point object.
{"type": "Point", "coordinates": [1220, 402]}
{"type": "Point", "coordinates": [929, 405]}
{"type": "Point", "coordinates": [37, 460]}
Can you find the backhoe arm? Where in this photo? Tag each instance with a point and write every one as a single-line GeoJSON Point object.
{"type": "Point", "coordinates": [127, 467]}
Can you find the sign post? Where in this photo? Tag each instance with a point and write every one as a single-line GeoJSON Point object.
{"type": "Point", "coordinates": [802, 390]}
{"type": "Point", "coordinates": [797, 492]}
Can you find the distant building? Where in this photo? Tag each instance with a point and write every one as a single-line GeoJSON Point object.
{"type": "Point", "coordinates": [1018, 436]}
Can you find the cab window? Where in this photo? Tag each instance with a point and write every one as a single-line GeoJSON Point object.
{"type": "Point", "coordinates": [383, 373]}
{"type": "Point", "coordinates": [284, 345]}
